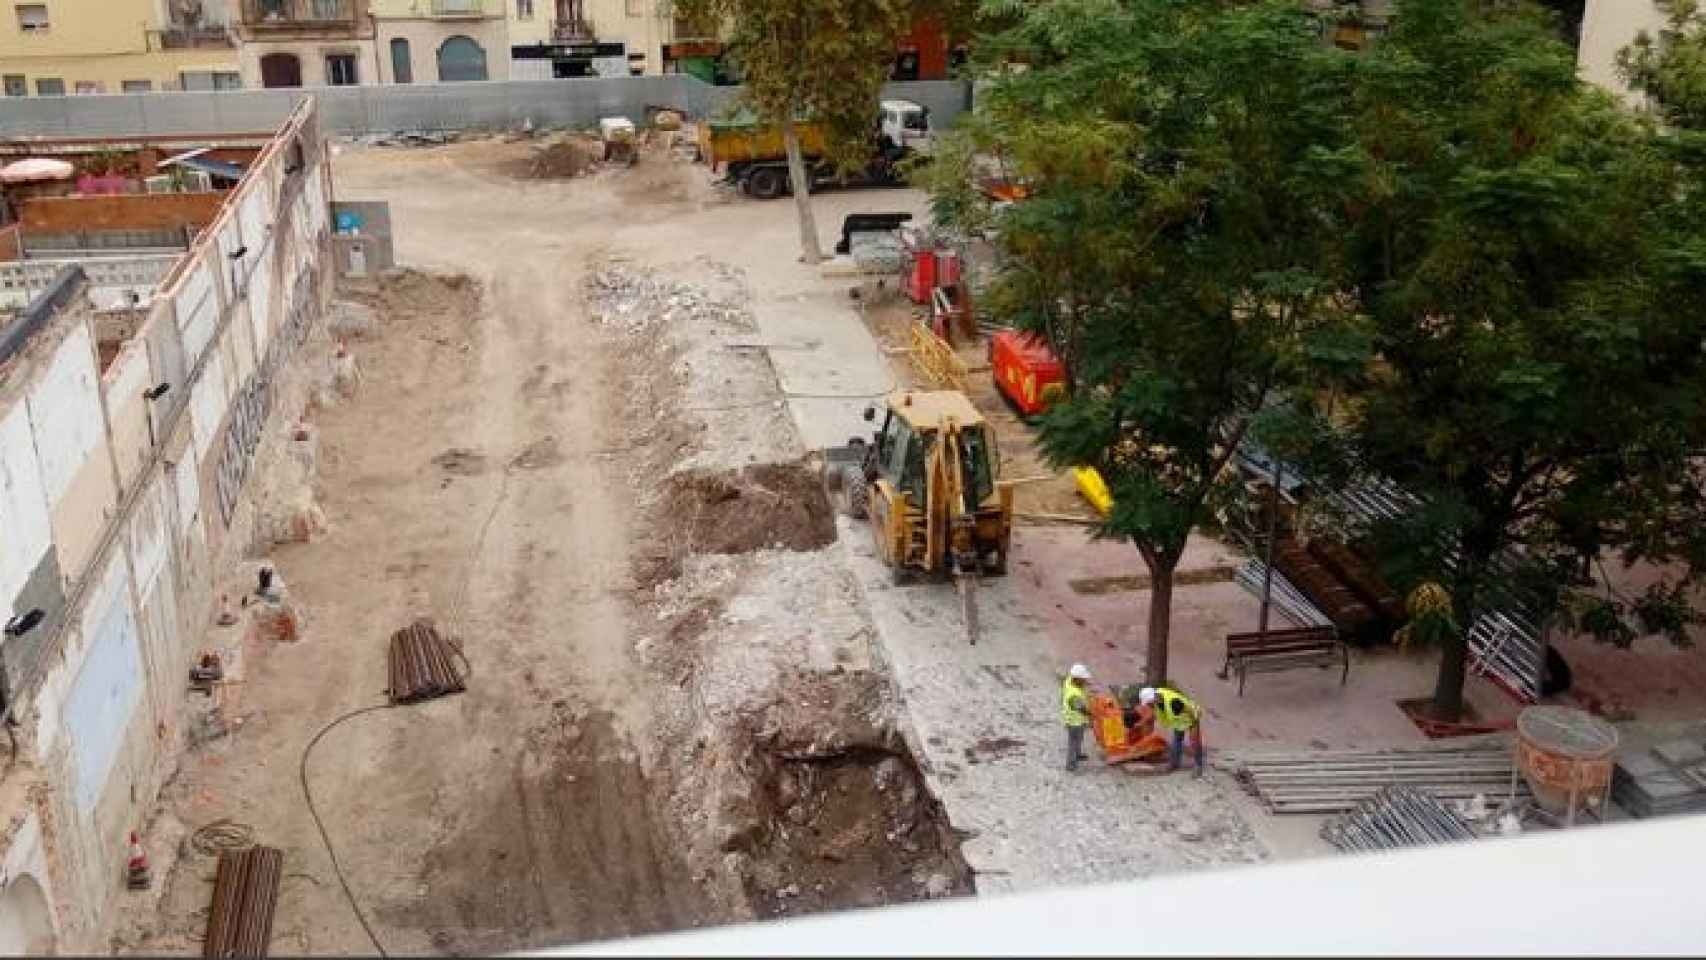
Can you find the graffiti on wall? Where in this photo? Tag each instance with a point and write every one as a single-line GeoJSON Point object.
{"type": "Point", "coordinates": [254, 402]}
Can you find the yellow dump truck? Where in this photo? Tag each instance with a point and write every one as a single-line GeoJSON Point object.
{"type": "Point", "coordinates": [751, 154]}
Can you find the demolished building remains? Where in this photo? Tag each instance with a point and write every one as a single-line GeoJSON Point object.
{"type": "Point", "coordinates": [126, 436]}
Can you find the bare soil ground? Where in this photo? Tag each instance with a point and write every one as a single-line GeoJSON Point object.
{"type": "Point", "coordinates": [670, 720]}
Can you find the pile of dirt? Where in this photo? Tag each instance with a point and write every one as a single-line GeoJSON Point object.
{"type": "Point", "coordinates": [778, 506]}
{"type": "Point", "coordinates": [565, 159]}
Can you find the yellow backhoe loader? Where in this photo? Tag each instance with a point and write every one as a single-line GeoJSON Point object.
{"type": "Point", "coordinates": [928, 482]}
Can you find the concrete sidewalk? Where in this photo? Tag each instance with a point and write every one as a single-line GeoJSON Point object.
{"type": "Point", "coordinates": [986, 725]}
{"type": "Point", "coordinates": [828, 365]}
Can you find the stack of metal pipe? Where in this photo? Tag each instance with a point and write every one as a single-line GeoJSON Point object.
{"type": "Point", "coordinates": [1333, 781]}
{"type": "Point", "coordinates": [421, 664]}
{"type": "Point", "coordinates": [245, 894]}
{"type": "Point", "coordinates": [1396, 817]}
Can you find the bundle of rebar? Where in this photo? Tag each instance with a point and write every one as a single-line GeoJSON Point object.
{"type": "Point", "coordinates": [1396, 817]}
{"type": "Point", "coordinates": [1333, 781]}
{"type": "Point", "coordinates": [245, 894]}
{"type": "Point", "coordinates": [422, 664]}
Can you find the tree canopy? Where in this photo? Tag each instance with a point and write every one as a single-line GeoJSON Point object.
{"type": "Point", "coordinates": [1177, 248]}
{"type": "Point", "coordinates": [1497, 268]}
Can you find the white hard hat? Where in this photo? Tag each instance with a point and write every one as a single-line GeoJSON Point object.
{"type": "Point", "coordinates": [1146, 695]}
{"type": "Point", "coordinates": [1079, 672]}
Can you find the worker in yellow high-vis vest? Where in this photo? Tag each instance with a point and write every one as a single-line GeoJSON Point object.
{"type": "Point", "coordinates": [1075, 712]}
{"type": "Point", "coordinates": [1180, 715]}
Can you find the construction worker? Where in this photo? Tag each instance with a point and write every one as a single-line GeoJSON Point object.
{"type": "Point", "coordinates": [1075, 712]}
{"type": "Point", "coordinates": [1179, 714]}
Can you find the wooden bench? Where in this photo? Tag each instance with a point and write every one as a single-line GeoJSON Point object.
{"type": "Point", "coordinates": [1283, 650]}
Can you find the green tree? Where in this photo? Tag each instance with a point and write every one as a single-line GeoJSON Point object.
{"type": "Point", "coordinates": [822, 59]}
{"type": "Point", "coordinates": [1533, 261]}
{"type": "Point", "coordinates": [1178, 247]}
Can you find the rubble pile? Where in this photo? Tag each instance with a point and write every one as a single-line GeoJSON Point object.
{"type": "Point", "coordinates": [634, 302]}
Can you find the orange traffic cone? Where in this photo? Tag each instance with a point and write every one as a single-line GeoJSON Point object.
{"type": "Point", "coordinates": [138, 874]}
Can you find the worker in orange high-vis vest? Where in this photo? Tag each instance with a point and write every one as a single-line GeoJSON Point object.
{"type": "Point", "coordinates": [1179, 715]}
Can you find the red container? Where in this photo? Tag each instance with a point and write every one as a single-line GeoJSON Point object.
{"type": "Point", "coordinates": [1023, 366]}
{"type": "Point", "coordinates": [921, 277]}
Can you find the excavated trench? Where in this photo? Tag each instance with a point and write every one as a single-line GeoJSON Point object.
{"type": "Point", "coordinates": [818, 801]}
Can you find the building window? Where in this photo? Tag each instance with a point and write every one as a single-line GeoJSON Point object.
{"type": "Point", "coordinates": [138, 86]}
{"type": "Point", "coordinates": [32, 17]}
{"type": "Point", "coordinates": [340, 70]}
{"type": "Point", "coordinates": [89, 88]}
{"type": "Point", "coordinates": [524, 9]}
{"type": "Point", "coordinates": [15, 86]}
{"type": "Point", "coordinates": [227, 80]}
{"type": "Point", "coordinates": [461, 59]}
{"type": "Point", "coordinates": [50, 87]}
{"type": "Point", "coordinates": [402, 67]}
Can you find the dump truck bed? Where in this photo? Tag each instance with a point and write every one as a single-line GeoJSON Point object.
{"type": "Point", "coordinates": [744, 141]}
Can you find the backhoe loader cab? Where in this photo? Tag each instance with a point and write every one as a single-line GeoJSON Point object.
{"type": "Point", "coordinates": [929, 482]}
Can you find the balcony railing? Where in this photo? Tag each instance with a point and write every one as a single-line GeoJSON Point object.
{"type": "Point", "coordinates": [194, 38]}
{"type": "Point", "coordinates": [297, 13]}
{"type": "Point", "coordinates": [578, 30]}
{"type": "Point", "coordinates": [458, 8]}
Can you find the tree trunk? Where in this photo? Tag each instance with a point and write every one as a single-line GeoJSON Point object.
{"type": "Point", "coordinates": [1454, 658]}
{"type": "Point", "coordinates": [809, 250]}
{"type": "Point", "coordinates": [1448, 687]}
{"type": "Point", "coordinates": [1160, 619]}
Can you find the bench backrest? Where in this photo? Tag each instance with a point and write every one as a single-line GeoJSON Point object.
{"type": "Point", "coordinates": [1302, 638]}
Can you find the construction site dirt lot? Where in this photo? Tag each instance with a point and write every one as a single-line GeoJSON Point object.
{"type": "Point", "coordinates": [581, 442]}
{"type": "Point", "coordinates": [565, 452]}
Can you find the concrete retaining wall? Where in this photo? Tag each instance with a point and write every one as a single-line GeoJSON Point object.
{"type": "Point", "coordinates": [116, 523]}
{"type": "Point", "coordinates": [386, 109]}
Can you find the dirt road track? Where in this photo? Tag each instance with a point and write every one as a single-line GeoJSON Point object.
{"type": "Point", "coordinates": [516, 814]}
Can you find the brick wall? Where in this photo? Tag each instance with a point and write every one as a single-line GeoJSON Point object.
{"type": "Point", "coordinates": [163, 211]}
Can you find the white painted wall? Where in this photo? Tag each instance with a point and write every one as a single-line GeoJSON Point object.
{"type": "Point", "coordinates": [108, 686]}
{"type": "Point", "coordinates": [1607, 27]}
{"type": "Point", "coordinates": [65, 411]}
{"type": "Point", "coordinates": [25, 531]}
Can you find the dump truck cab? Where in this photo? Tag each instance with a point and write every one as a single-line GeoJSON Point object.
{"type": "Point", "coordinates": [906, 125]}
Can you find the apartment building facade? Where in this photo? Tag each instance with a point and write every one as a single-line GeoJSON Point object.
{"type": "Point", "coordinates": [592, 38]}
{"type": "Point", "coordinates": [305, 43]}
{"type": "Point", "coordinates": [69, 47]}
{"type": "Point", "coordinates": [441, 41]}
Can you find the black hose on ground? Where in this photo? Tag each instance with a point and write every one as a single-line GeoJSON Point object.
{"type": "Point", "coordinates": [302, 771]}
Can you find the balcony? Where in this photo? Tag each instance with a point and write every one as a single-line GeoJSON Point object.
{"type": "Point", "coordinates": [194, 38]}
{"type": "Point", "coordinates": [578, 30]}
{"type": "Point", "coordinates": [459, 9]}
{"type": "Point", "coordinates": [287, 14]}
